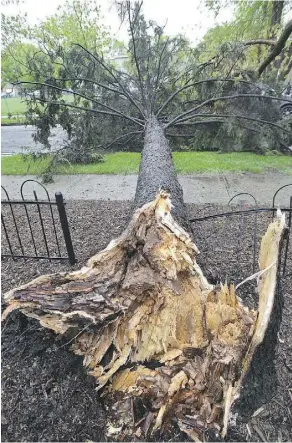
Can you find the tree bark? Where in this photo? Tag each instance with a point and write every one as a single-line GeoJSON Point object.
{"type": "Point", "coordinates": [278, 48]}
{"type": "Point", "coordinates": [157, 172]}
{"type": "Point", "coordinates": [277, 11]}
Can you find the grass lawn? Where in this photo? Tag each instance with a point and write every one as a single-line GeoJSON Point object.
{"type": "Point", "coordinates": [17, 107]}
{"type": "Point", "coordinates": [16, 120]}
{"type": "Point", "coordinates": [185, 163]}
{"type": "Point", "coordinates": [12, 105]}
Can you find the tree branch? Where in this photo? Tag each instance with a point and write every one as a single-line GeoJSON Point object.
{"type": "Point", "coordinates": [95, 111]}
{"type": "Point", "coordinates": [223, 98]}
{"type": "Point", "coordinates": [17, 61]}
{"type": "Point", "coordinates": [242, 117]}
{"type": "Point", "coordinates": [134, 46]}
{"type": "Point", "coordinates": [206, 122]}
{"type": "Point", "coordinates": [179, 135]}
{"type": "Point", "coordinates": [200, 67]}
{"type": "Point", "coordinates": [260, 41]}
{"type": "Point", "coordinates": [279, 46]}
{"type": "Point", "coordinates": [79, 21]}
{"type": "Point", "coordinates": [180, 76]}
{"type": "Point", "coordinates": [201, 122]}
{"type": "Point", "coordinates": [158, 71]}
{"type": "Point", "coordinates": [121, 137]}
{"type": "Point", "coordinates": [101, 85]}
{"type": "Point", "coordinates": [210, 80]}
{"type": "Point", "coordinates": [114, 77]}
{"type": "Point", "coordinates": [137, 121]}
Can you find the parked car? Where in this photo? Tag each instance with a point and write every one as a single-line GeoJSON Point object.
{"type": "Point", "coordinates": [286, 106]}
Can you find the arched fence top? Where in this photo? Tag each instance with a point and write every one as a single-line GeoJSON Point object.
{"type": "Point", "coordinates": [6, 193]}
{"type": "Point", "coordinates": [271, 209]}
{"type": "Point", "coordinates": [242, 212]}
{"type": "Point", "coordinates": [38, 183]}
{"type": "Point", "coordinates": [243, 193]}
{"type": "Point", "coordinates": [42, 224]}
{"type": "Point", "coordinates": [278, 190]}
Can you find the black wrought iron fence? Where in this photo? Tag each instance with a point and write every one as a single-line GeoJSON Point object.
{"type": "Point", "coordinates": [34, 228]}
{"type": "Point", "coordinates": [235, 236]}
{"type": "Point", "coordinates": [38, 228]}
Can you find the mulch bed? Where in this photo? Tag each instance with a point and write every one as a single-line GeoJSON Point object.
{"type": "Point", "coordinates": [46, 394]}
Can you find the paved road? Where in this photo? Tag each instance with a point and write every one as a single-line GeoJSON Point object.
{"type": "Point", "coordinates": [16, 138]}
{"type": "Point", "coordinates": [200, 188]}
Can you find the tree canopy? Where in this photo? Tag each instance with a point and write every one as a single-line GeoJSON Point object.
{"type": "Point", "coordinates": [253, 31]}
{"type": "Point", "coordinates": [199, 94]}
{"type": "Point", "coordinates": [75, 21]}
{"type": "Point", "coordinates": [31, 49]}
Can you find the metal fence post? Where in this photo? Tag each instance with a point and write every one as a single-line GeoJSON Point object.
{"type": "Point", "coordinates": [287, 238]}
{"type": "Point", "coordinates": [65, 227]}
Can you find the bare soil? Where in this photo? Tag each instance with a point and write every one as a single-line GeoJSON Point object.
{"type": "Point", "coordinates": [46, 393]}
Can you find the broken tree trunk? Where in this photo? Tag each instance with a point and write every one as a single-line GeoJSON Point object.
{"type": "Point", "coordinates": [146, 320]}
{"type": "Point", "coordinates": [157, 172]}
{"type": "Point", "coordinates": [162, 343]}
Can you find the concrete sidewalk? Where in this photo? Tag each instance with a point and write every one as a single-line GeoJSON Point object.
{"type": "Point", "coordinates": [199, 188]}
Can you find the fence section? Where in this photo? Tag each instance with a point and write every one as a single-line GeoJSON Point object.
{"type": "Point", "coordinates": [39, 229]}
{"type": "Point", "coordinates": [33, 228]}
{"type": "Point", "coordinates": [229, 241]}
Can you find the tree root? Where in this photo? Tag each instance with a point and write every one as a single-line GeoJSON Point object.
{"type": "Point", "coordinates": [145, 318]}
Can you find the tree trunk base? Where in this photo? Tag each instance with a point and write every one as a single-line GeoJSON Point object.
{"type": "Point", "coordinates": [146, 320]}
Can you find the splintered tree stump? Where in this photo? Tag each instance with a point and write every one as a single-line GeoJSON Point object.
{"type": "Point", "coordinates": [163, 344]}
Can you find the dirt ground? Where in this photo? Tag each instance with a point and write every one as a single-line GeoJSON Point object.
{"type": "Point", "coordinates": [46, 393]}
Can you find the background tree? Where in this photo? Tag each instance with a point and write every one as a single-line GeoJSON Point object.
{"type": "Point", "coordinates": [255, 28]}
{"type": "Point", "coordinates": [75, 21]}
{"type": "Point", "coordinates": [247, 42]}
{"type": "Point", "coordinates": [14, 49]}
{"type": "Point", "coordinates": [14, 62]}
{"type": "Point", "coordinates": [50, 47]}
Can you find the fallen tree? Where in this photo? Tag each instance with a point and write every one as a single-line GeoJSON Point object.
{"type": "Point", "coordinates": [162, 342]}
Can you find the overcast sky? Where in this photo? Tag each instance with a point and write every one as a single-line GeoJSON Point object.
{"type": "Point", "coordinates": [187, 16]}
